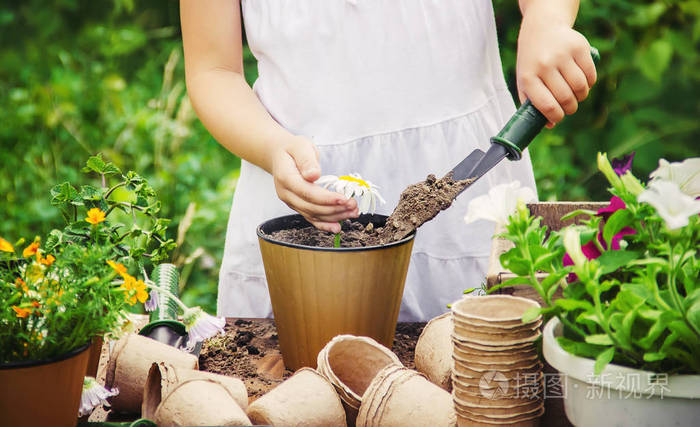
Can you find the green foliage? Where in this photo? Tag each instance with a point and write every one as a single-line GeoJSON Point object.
{"type": "Point", "coordinates": [637, 304]}
{"type": "Point", "coordinates": [646, 98]}
{"type": "Point", "coordinates": [84, 77]}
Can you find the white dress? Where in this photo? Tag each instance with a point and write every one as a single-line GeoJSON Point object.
{"type": "Point", "coordinates": [392, 90]}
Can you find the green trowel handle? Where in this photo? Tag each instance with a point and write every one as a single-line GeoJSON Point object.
{"type": "Point", "coordinates": [524, 126]}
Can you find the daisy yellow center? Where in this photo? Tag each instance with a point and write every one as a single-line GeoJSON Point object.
{"type": "Point", "coordinates": [362, 182]}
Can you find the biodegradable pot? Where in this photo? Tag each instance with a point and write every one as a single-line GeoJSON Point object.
{"type": "Point", "coordinates": [493, 310]}
{"type": "Point", "coordinates": [350, 363]}
{"type": "Point", "coordinates": [43, 392]}
{"type": "Point", "coordinates": [477, 383]}
{"type": "Point", "coordinates": [491, 409]}
{"type": "Point", "coordinates": [493, 347]}
{"type": "Point", "coordinates": [318, 293]}
{"type": "Point", "coordinates": [305, 399]}
{"type": "Point", "coordinates": [484, 364]}
{"type": "Point", "coordinates": [480, 356]}
{"type": "Point", "coordinates": [497, 338]}
{"type": "Point", "coordinates": [406, 399]}
{"type": "Point", "coordinates": [162, 378]}
{"type": "Point", "coordinates": [198, 401]}
{"type": "Point", "coordinates": [129, 364]}
{"type": "Point", "coordinates": [466, 418]}
{"type": "Point", "coordinates": [433, 351]}
{"type": "Point", "coordinates": [620, 395]}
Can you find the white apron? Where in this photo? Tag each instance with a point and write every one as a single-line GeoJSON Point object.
{"type": "Point", "coordinates": [392, 90]}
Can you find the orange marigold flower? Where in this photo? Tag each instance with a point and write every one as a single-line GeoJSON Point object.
{"type": "Point", "coordinates": [20, 284]}
{"type": "Point", "coordinates": [36, 304]}
{"type": "Point", "coordinates": [95, 216]}
{"type": "Point", "coordinates": [6, 246]}
{"type": "Point", "coordinates": [48, 260]}
{"type": "Point", "coordinates": [141, 292]}
{"type": "Point", "coordinates": [21, 312]}
{"type": "Point", "coordinates": [31, 250]}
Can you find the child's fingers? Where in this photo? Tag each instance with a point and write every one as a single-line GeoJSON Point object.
{"type": "Point", "coordinates": [556, 84]}
{"type": "Point", "coordinates": [305, 157]}
{"type": "Point", "coordinates": [543, 99]}
{"type": "Point", "coordinates": [585, 62]}
{"type": "Point", "coordinates": [576, 79]}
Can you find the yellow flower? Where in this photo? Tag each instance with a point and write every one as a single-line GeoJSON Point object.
{"type": "Point", "coordinates": [119, 268]}
{"type": "Point", "coordinates": [95, 216]}
{"type": "Point", "coordinates": [5, 246]}
{"type": "Point", "coordinates": [136, 290]}
{"type": "Point", "coordinates": [21, 312]}
{"type": "Point", "coordinates": [47, 261]}
{"type": "Point", "coordinates": [31, 250]}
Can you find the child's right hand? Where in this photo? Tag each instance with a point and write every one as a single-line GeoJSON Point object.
{"type": "Point", "coordinates": [295, 168]}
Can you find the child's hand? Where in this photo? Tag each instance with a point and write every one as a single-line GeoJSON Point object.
{"type": "Point", "coordinates": [295, 167]}
{"type": "Point", "coordinates": [554, 66]}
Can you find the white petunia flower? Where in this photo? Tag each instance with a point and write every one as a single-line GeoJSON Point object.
{"type": "Point", "coordinates": [572, 244]}
{"type": "Point", "coordinates": [686, 174]}
{"type": "Point", "coordinates": [201, 325]}
{"type": "Point", "coordinates": [354, 186]}
{"type": "Point", "coordinates": [500, 202]}
{"type": "Point", "coordinates": [673, 205]}
{"type": "Point", "coordinates": [94, 395]}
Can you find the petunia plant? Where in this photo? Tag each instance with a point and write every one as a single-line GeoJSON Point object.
{"type": "Point", "coordinates": [353, 186]}
{"type": "Point", "coordinates": [629, 273]}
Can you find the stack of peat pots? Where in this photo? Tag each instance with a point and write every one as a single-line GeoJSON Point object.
{"type": "Point", "coordinates": [497, 377]}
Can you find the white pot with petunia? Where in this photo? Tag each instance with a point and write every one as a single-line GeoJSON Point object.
{"type": "Point", "coordinates": [320, 291]}
{"type": "Point", "coordinates": [625, 333]}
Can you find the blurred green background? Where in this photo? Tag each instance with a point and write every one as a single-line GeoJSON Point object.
{"type": "Point", "coordinates": [81, 77]}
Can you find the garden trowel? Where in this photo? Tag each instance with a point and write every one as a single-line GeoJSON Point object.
{"type": "Point", "coordinates": [510, 142]}
{"type": "Point", "coordinates": [163, 325]}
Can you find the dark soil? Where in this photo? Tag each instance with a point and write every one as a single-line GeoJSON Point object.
{"type": "Point", "coordinates": [249, 350]}
{"type": "Point", "coordinates": [418, 204]}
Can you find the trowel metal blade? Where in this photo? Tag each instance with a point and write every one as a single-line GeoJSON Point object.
{"type": "Point", "coordinates": [464, 168]}
{"type": "Point", "coordinates": [492, 157]}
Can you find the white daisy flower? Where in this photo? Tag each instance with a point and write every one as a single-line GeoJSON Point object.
{"type": "Point", "coordinates": [94, 395]}
{"type": "Point", "coordinates": [201, 325]}
{"type": "Point", "coordinates": [354, 186]}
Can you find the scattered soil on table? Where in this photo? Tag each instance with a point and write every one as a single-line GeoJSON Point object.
{"type": "Point", "coordinates": [418, 204]}
{"type": "Point", "coordinates": [249, 350]}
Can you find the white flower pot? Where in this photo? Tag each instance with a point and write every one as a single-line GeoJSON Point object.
{"type": "Point", "coordinates": [620, 396]}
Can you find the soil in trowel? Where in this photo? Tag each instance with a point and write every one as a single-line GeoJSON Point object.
{"type": "Point", "coordinates": [418, 204]}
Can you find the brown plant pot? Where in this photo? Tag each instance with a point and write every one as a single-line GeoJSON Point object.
{"type": "Point", "coordinates": [45, 392]}
{"type": "Point", "coordinates": [318, 293]}
{"type": "Point", "coordinates": [95, 353]}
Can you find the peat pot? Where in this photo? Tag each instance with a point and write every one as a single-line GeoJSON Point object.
{"type": "Point", "coordinates": [43, 392]}
{"type": "Point", "coordinates": [620, 396]}
{"type": "Point", "coordinates": [318, 293]}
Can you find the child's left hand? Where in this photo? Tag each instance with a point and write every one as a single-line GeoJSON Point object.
{"type": "Point", "coordinates": [554, 67]}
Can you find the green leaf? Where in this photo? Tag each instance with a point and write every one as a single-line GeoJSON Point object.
{"type": "Point", "coordinates": [617, 221]}
{"type": "Point", "coordinates": [612, 260]}
{"type": "Point", "coordinates": [95, 164]}
{"type": "Point", "coordinates": [571, 304]}
{"type": "Point", "coordinates": [599, 339]}
{"type": "Point", "coordinates": [655, 59]}
{"type": "Point", "coordinates": [531, 314]}
{"type": "Point", "coordinates": [578, 348]}
{"type": "Point", "coordinates": [654, 356]}
{"type": "Point", "coordinates": [603, 359]}
{"type": "Point", "coordinates": [88, 192]}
